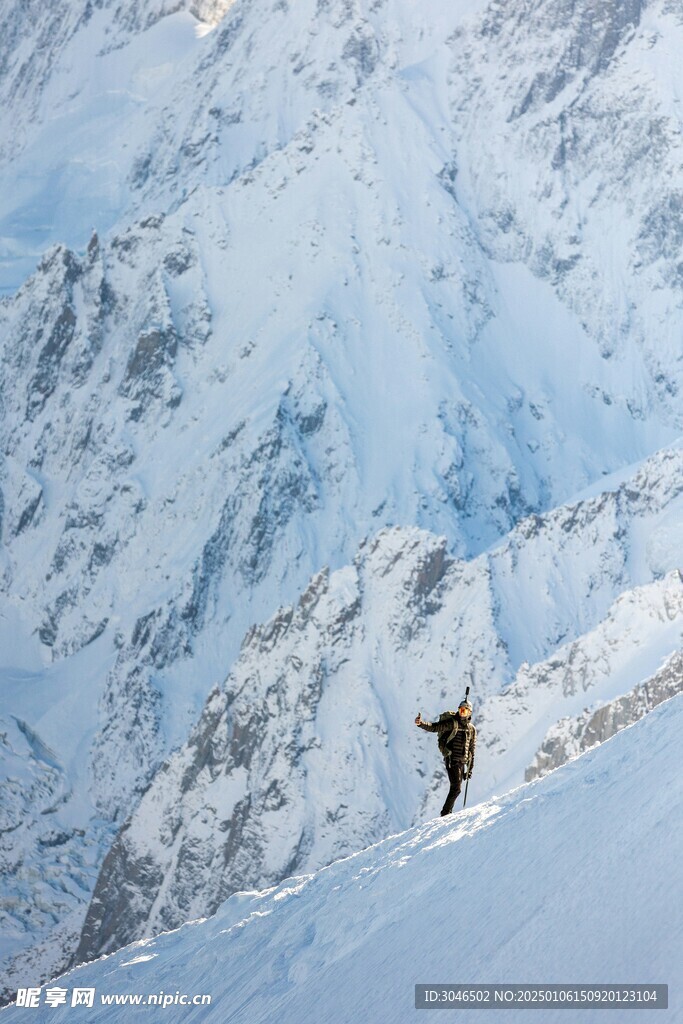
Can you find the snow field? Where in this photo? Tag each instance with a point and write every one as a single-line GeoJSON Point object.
{"type": "Point", "coordinates": [568, 879]}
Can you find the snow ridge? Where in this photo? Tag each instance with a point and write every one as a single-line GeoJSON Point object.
{"type": "Point", "coordinates": [353, 939]}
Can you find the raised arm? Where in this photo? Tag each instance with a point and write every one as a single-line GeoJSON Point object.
{"type": "Point", "coordinates": [427, 726]}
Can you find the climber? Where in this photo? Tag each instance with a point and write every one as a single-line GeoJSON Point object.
{"type": "Point", "coordinates": [457, 742]}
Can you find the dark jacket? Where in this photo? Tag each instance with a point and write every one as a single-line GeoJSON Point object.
{"type": "Point", "coordinates": [457, 738]}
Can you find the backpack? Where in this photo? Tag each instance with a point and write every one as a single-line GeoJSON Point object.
{"type": "Point", "coordinates": [445, 738]}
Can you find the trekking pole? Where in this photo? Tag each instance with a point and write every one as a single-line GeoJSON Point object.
{"type": "Point", "coordinates": [467, 781]}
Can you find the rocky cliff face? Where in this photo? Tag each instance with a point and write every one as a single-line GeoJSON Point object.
{"type": "Point", "coordinates": [570, 737]}
{"type": "Point", "coordinates": [352, 271]}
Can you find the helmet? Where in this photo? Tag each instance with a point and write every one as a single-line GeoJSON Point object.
{"type": "Point", "coordinates": [465, 704]}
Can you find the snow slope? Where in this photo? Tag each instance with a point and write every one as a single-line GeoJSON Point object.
{"type": "Point", "coordinates": [80, 86]}
{"type": "Point", "coordinates": [309, 750]}
{"type": "Point", "coordinates": [571, 878]}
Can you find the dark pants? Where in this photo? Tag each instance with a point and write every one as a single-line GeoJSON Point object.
{"type": "Point", "coordinates": [455, 770]}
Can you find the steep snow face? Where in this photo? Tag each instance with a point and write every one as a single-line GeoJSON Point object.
{"type": "Point", "coordinates": [309, 749]}
{"type": "Point", "coordinates": [585, 118]}
{"type": "Point", "coordinates": [351, 941]}
{"type": "Point", "coordinates": [76, 81]}
{"type": "Point", "coordinates": [81, 84]}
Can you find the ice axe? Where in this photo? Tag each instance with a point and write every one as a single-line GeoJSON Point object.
{"type": "Point", "coordinates": [467, 780]}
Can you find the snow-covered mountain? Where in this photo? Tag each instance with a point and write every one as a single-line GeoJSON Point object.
{"type": "Point", "coordinates": [501, 892]}
{"type": "Point", "coordinates": [570, 737]}
{"type": "Point", "coordinates": [318, 285]}
{"type": "Point", "coordinates": [81, 83]}
{"type": "Point", "coordinates": [309, 749]}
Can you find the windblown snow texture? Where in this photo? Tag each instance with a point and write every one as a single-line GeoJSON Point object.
{"type": "Point", "coordinates": [500, 891]}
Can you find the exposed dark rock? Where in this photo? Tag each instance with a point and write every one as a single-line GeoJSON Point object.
{"type": "Point", "coordinates": [206, 740]}
{"type": "Point", "coordinates": [46, 376]}
{"type": "Point", "coordinates": [178, 261]}
{"type": "Point", "coordinates": [148, 376]}
{"type": "Point", "coordinates": [126, 751]}
{"type": "Point", "coordinates": [431, 570]}
{"type": "Point", "coordinates": [312, 422]}
{"type": "Point", "coordinates": [155, 350]}
{"type": "Point", "coordinates": [570, 737]}
{"type": "Point", "coordinates": [28, 514]}
{"type": "Point", "coordinates": [447, 176]}
{"type": "Point", "coordinates": [97, 632]}
{"type": "Point", "coordinates": [661, 235]}
{"type": "Point", "coordinates": [312, 594]}
{"type": "Point", "coordinates": [596, 31]}
{"type": "Point", "coordinates": [111, 908]}
{"type": "Point", "coordinates": [362, 50]}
